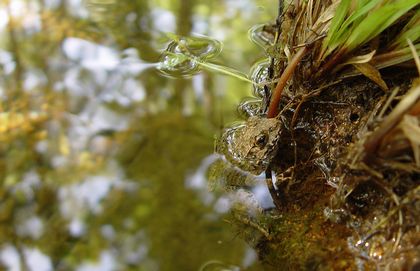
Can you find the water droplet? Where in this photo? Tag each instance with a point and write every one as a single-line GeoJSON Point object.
{"type": "Point", "coordinates": [250, 107]}
{"type": "Point", "coordinates": [260, 75]}
{"type": "Point", "coordinates": [260, 35]}
{"type": "Point", "coordinates": [215, 265]}
{"type": "Point", "coordinates": [178, 65]}
{"type": "Point", "coordinates": [226, 142]}
{"type": "Point", "coordinates": [183, 55]}
{"type": "Point", "coordinates": [333, 181]}
{"type": "Point", "coordinates": [336, 215]}
{"type": "Point", "coordinates": [201, 47]}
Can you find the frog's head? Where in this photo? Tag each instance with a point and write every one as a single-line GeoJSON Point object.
{"type": "Point", "coordinates": [252, 145]}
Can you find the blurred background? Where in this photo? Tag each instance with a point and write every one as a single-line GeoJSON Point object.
{"type": "Point", "coordinates": [104, 160]}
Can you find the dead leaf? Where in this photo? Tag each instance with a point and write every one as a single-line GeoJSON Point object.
{"type": "Point", "coordinates": [372, 73]}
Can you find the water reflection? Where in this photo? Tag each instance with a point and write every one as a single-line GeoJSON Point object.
{"type": "Point", "coordinates": [259, 36]}
{"type": "Point", "coordinates": [260, 74]}
{"type": "Point", "coordinates": [185, 55]}
{"type": "Point", "coordinates": [102, 168]}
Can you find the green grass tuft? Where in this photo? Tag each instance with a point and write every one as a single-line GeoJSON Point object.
{"type": "Point", "coordinates": [350, 29]}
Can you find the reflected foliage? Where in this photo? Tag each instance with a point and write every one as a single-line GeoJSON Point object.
{"type": "Point", "coordinates": [100, 154]}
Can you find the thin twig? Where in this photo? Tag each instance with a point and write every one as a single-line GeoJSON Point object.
{"type": "Point", "coordinates": [410, 99]}
{"type": "Point", "coordinates": [388, 102]}
{"type": "Point", "coordinates": [309, 43]}
{"type": "Point", "coordinates": [415, 55]}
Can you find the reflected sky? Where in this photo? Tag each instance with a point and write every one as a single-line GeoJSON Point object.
{"type": "Point", "coordinates": [96, 78]}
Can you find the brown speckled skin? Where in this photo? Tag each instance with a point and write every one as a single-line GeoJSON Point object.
{"type": "Point", "coordinates": [242, 147]}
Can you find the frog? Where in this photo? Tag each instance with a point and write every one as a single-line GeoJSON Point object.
{"type": "Point", "coordinates": [252, 145]}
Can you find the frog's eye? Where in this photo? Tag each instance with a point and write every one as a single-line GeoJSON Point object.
{"type": "Point", "coordinates": [261, 140]}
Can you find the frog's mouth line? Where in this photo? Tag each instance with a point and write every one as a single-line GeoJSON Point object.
{"type": "Point", "coordinates": [271, 152]}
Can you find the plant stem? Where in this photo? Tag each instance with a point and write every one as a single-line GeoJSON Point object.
{"type": "Point", "coordinates": [273, 109]}
{"type": "Point", "coordinates": [331, 63]}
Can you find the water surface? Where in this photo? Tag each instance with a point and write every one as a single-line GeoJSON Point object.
{"type": "Point", "coordinates": [104, 158]}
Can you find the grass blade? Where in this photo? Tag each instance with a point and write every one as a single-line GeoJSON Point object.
{"type": "Point", "coordinates": [358, 15]}
{"type": "Point", "coordinates": [225, 70]}
{"type": "Point", "coordinates": [378, 21]}
{"type": "Point", "coordinates": [340, 14]}
{"type": "Point", "coordinates": [394, 57]}
{"type": "Point", "coordinates": [410, 31]}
